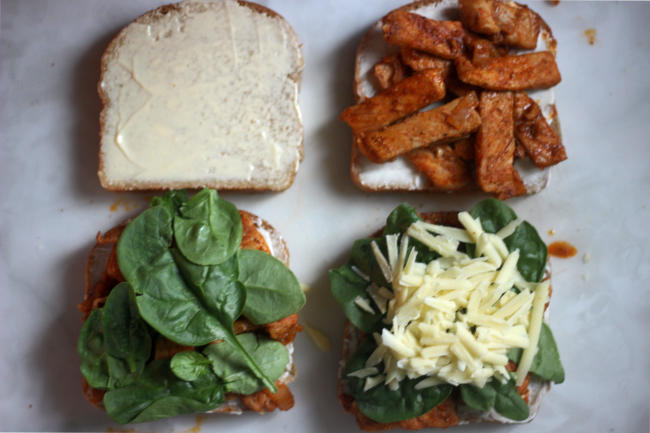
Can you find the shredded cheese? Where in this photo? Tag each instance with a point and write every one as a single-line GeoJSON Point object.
{"type": "Point", "coordinates": [453, 319]}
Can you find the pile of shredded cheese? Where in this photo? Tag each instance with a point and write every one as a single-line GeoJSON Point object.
{"type": "Point", "coordinates": [454, 319]}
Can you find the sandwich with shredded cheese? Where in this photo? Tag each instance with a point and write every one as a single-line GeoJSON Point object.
{"type": "Point", "coordinates": [446, 320]}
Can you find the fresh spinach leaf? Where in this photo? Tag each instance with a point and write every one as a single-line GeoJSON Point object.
{"type": "Point", "coordinates": [233, 370]}
{"type": "Point", "coordinates": [91, 349]}
{"type": "Point", "coordinates": [478, 398]}
{"type": "Point", "coordinates": [364, 259]}
{"type": "Point", "coordinates": [546, 363]}
{"type": "Point", "coordinates": [158, 394]}
{"type": "Point", "coordinates": [383, 405]}
{"type": "Point", "coordinates": [508, 402]}
{"type": "Point", "coordinates": [126, 335]}
{"type": "Point", "coordinates": [114, 343]}
{"type": "Point", "coordinates": [532, 251]}
{"type": "Point", "coordinates": [207, 230]}
{"type": "Point", "coordinates": [189, 365]}
{"type": "Point", "coordinates": [224, 297]}
{"type": "Point", "coordinates": [494, 214]}
{"type": "Point", "coordinates": [172, 200]}
{"type": "Point", "coordinates": [272, 290]}
{"type": "Point", "coordinates": [398, 222]}
{"type": "Point", "coordinates": [346, 285]}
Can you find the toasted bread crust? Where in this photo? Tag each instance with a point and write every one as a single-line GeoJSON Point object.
{"type": "Point", "coordinates": [449, 412]}
{"type": "Point", "coordinates": [357, 160]}
{"type": "Point", "coordinates": [221, 185]}
{"type": "Point", "coordinates": [98, 284]}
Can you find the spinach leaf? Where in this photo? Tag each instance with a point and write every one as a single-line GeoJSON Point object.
{"type": "Point", "coordinates": [158, 393]}
{"type": "Point", "coordinates": [224, 298]}
{"type": "Point", "coordinates": [272, 290]}
{"type": "Point", "coordinates": [546, 363]}
{"type": "Point", "coordinates": [115, 343]}
{"type": "Point", "coordinates": [189, 365]}
{"type": "Point", "coordinates": [364, 259]}
{"type": "Point", "coordinates": [383, 405]}
{"type": "Point", "coordinates": [398, 222]}
{"type": "Point", "coordinates": [478, 398]}
{"type": "Point", "coordinates": [207, 230]}
{"type": "Point", "coordinates": [91, 349]}
{"type": "Point", "coordinates": [508, 402]}
{"type": "Point", "coordinates": [126, 336]}
{"type": "Point", "coordinates": [231, 367]}
{"type": "Point", "coordinates": [532, 251]}
{"type": "Point", "coordinates": [346, 285]}
{"type": "Point", "coordinates": [172, 200]}
{"type": "Point", "coordinates": [494, 214]}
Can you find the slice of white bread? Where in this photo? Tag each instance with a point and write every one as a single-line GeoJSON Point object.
{"type": "Point", "coordinates": [96, 265]}
{"type": "Point", "coordinates": [400, 174]}
{"type": "Point", "coordinates": [352, 337]}
{"type": "Point", "coordinates": [201, 95]}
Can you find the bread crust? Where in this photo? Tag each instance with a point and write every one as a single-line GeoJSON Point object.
{"type": "Point", "coordinates": [96, 265]}
{"type": "Point", "coordinates": [535, 185]}
{"type": "Point", "coordinates": [458, 414]}
{"type": "Point", "coordinates": [222, 186]}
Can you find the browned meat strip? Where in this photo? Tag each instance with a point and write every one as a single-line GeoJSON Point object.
{"type": "Point", "coordinates": [419, 61]}
{"type": "Point", "coordinates": [252, 239]}
{"type": "Point", "coordinates": [465, 148]}
{"type": "Point", "coordinates": [441, 38]}
{"type": "Point", "coordinates": [389, 71]}
{"type": "Point", "coordinates": [507, 23]}
{"type": "Point", "coordinates": [541, 142]}
{"type": "Point", "coordinates": [526, 71]}
{"type": "Point", "coordinates": [398, 101]}
{"type": "Point", "coordinates": [454, 120]}
{"type": "Point", "coordinates": [265, 401]}
{"type": "Point", "coordinates": [495, 146]}
{"type": "Point", "coordinates": [442, 166]}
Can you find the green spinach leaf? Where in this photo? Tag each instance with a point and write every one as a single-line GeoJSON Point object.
{"type": "Point", "coordinates": [92, 351]}
{"type": "Point", "coordinates": [546, 363]}
{"type": "Point", "coordinates": [532, 251]}
{"type": "Point", "coordinates": [478, 398]}
{"type": "Point", "coordinates": [114, 343]}
{"type": "Point", "coordinates": [383, 405]}
{"type": "Point", "coordinates": [158, 394]}
{"type": "Point", "coordinates": [171, 200]}
{"type": "Point", "coordinates": [232, 369]}
{"type": "Point", "coordinates": [189, 365]}
{"type": "Point", "coordinates": [272, 290]}
{"type": "Point", "coordinates": [346, 285]}
{"type": "Point", "coordinates": [508, 402]}
{"type": "Point", "coordinates": [207, 230]}
{"type": "Point", "coordinates": [398, 222]}
{"type": "Point", "coordinates": [364, 259]}
{"type": "Point", "coordinates": [494, 214]}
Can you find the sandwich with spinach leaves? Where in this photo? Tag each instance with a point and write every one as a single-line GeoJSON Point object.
{"type": "Point", "coordinates": [446, 320]}
{"type": "Point", "coordinates": [190, 307]}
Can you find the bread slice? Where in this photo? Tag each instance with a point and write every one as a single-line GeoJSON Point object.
{"type": "Point", "coordinates": [352, 337]}
{"type": "Point", "coordinates": [96, 265]}
{"type": "Point", "coordinates": [400, 174]}
{"type": "Point", "coordinates": [201, 95]}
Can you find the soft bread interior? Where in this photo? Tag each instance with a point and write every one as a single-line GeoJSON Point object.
{"type": "Point", "coordinates": [400, 174]}
{"type": "Point", "coordinates": [201, 95]}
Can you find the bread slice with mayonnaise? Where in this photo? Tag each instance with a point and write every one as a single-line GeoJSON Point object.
{"type": "Point", "coordinates": [201, 95]}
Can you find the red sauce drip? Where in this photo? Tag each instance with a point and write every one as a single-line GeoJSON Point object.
{"type": "Point", "coordinates": [562, 249]}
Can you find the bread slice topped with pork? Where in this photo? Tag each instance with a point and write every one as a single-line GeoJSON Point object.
{"type": "Point", "coordinates": [201, 95]}
{"type": "Point", "coordinates": [190, 307]}
{"type": "Point", "coordinates": [446, 320]}
{"type": "Point", "coordinates": [454, 96]}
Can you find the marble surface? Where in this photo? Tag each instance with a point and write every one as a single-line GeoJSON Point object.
{"type": "Point", "coordinates": [51, 207]}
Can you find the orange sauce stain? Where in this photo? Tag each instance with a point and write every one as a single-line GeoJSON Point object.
{"type": "Point", "coordinates": [112, 430]}
{"type": "Point", "coordinates": [590, 34]}
{"type": "Point", "coordinates": [554, 2]}
{"type": "Point", "coordinates": [551, 232]}
{"type": "Point", "coordinates": [197, 425]}
{"type": "Point", "coordinates": [127, 205]}
{"type": "Point", "coordinates": [562, 249]}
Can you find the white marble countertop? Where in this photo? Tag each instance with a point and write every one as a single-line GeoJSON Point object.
{"type": "Point", "coordinates": [51, 207]}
